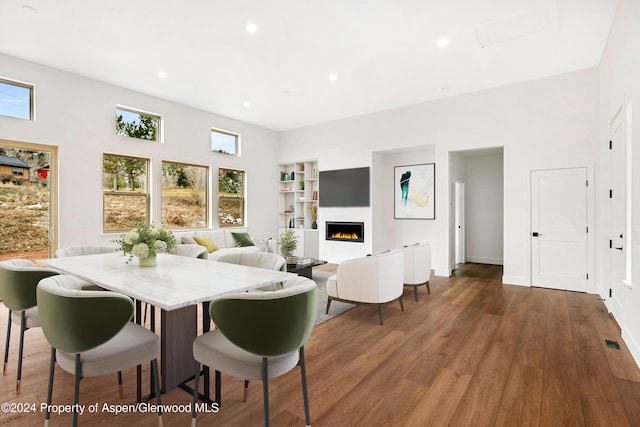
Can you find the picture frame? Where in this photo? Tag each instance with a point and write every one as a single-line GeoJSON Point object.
{"type": "Point", "coordinates": [414, 191]}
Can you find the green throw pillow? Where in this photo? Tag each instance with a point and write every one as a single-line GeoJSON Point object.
{"type": "Point", "coordinates": [243, 239]}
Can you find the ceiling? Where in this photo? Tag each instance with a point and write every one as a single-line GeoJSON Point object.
{"type": "Point", "coordinates": [384, 53]}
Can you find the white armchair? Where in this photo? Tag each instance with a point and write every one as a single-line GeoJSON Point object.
{"type": "Point", "coordinates": [376, 279]}
{"type": "Point", "coordinates": [417, 266]}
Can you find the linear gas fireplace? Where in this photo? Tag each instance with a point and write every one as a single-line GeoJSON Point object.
{"type": "Point", "coordinates": [345, 231]}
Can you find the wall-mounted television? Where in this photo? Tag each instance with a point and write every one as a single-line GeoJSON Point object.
{"type": "Point", "coordinates": [344, 188]}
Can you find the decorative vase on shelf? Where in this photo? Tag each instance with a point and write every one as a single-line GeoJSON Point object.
{"type": "Point", "coordinates": [314, 225]}
{"type": "Point", "coordinates": [149, 261]}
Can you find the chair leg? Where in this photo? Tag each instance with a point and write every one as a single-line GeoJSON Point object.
{"type": "Point", "coordinates": [328, 305]}
{"type": "Point", "coordinates": [380, 313]}
{"type": "Point", "coordinates": [76, 391]}
{"type": "Point", "coordinates": [428, 287]}
{"type": "Point", "coordinates": [196, 386]}
{"type": "Point", "coordinates": [218, 379]}
{"type": "Point", "coordinates": [305, 395]}
{"type": "Point", "coordinates": [120, 390]}
{"type": "Point", "coordinates": [154, 368]}
{"type": "Point", "coordinates": [401, 303]}
{"type": "Point", "coordinates": [415, 292]}
{"type": "Point", "coordinates": [245, 396]}
{"type": "Point", "coordinates": [6, 347]}
{"type": "Point", "coordinates": [265, 390]}
{"type": "Point", "coordinates": [23, 327]}
{"type": "Point", "coordinates": [52, 364]}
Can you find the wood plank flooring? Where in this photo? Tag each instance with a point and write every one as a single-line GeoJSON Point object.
{"type": "Point", "coordinates": [473, 352]}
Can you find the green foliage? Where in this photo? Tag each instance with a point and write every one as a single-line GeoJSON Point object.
{"type": "Point", "coordinates": [123, 171]}
{"type": "Point", "coordinates": [145, 240]}
{"type": "Point", "coordinates": [288, 241]}
{"type": "Point", "coordinates": [146, 127]}
{"type": "Point", "coordinates": [230, 181]}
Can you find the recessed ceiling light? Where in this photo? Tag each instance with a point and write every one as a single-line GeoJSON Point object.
{"type": "Point", "coordinates": [252, 28]}
{"type": "Point", "coordinates": [443, 42]}
{"type": "Point", "coordinates": [246, 104]}
{"type": "Point", "coordinates": [333, 77]}
{"type": "Point", "coordinates": [162, 74]}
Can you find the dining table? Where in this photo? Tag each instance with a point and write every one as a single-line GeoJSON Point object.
{"type": "Point", "coordinates": [176, 285]}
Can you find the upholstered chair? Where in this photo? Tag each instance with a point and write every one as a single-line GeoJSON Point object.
{"type": "Point", "coordinates": [417, 266]}
{"type": "Point", "coordinates": [91, 334]}
{"type": "Point", "coordinates": [375, 279]}
{"type": "Point", "coordinates": [256, 259]}
{"type": "Point", "coordinates": [82, 250]}
{"type": "Point", "coordinates": [258, 335]}
{"type": "Point", "coordinates": [18, 281]}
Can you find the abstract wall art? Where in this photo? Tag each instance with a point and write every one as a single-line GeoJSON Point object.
{"type": "Point", "coordinates": [414, 191]}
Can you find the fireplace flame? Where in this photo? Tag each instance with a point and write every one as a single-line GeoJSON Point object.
{"type": "Point", "coordinates": [345, 236]}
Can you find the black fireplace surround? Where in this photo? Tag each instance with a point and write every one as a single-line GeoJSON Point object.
{"type": "Point", "coordinates": [345, 231]}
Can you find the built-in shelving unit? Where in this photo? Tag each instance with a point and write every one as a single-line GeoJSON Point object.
{"type": "Point", "coordinates": [297, 199]}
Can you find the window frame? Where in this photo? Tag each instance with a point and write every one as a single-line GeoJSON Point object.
{"type": "Point", "coordinates": [160, 128]}
{"type": "Point", "coordinates": [242, 198]}
{"type": "Point", "coordinates": [229, 133]}
{"type": "Point", "coordinates": [207, 215]}
{"type": "Point", "coordinates": [32, 97]}
{"type": "Point", "coordinates": [146, 194]}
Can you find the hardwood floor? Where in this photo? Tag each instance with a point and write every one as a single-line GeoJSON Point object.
{"type": "Point", "coordinates": [473, 352]}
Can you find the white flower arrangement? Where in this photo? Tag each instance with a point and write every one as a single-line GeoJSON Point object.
{"type": "Point", "coordinates": [146, 240]}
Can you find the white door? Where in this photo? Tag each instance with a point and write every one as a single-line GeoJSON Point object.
{"type": "Point", "coordinates": [559, 229]}
{"type": "Point", "coordinates": [617, 199]}
{"type": "Point", "coordinates": [459, 223]}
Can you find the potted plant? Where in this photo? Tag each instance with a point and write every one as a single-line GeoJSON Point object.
{"type": "Point", "coordinates": [288, 244]}
{"type": "Point", "coordinates": [145, 241]}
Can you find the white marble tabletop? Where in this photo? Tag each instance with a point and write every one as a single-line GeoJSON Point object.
{"type": "Point", "coordinates": [175, 282]}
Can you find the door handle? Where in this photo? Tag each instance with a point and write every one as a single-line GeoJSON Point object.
{"type": "Point", "coordinates": [536, 234]}
{"type": "Point", "coordinates": [618, 248]}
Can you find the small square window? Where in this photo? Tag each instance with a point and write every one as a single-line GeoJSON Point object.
{"type": "Point", "coordinates": [16, 99]}
{"type": "Point", "coordinates": [225, 142]}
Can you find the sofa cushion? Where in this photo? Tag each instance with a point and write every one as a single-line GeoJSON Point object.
{"type": "Point", "coordinates": [216, 236]}
{"type": "Point", "coordinates": [206, 242]}
{"type": "Point", "coordinates": [213, 256]}
{"type": "Point", "coordinates": [243, 239]}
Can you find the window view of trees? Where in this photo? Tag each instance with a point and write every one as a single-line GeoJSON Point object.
{"type": "Point", "coordinates": [230, 198]}
{"type": "Point", "coordinates": [135, 124]}
{"type": "Point", "coordinates": [125, 194]}
{"type": "Point", "coordinates": [24, 200]}
{"type": "Point", "coordinates": [184, 195]}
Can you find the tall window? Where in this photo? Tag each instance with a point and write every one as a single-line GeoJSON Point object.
{"type": "Point", "coordinates": [184, 195]}
{"type": "Point", "coordinates": [137, 124]}
{"type": "Point", "coordinates": [16, 99]}
{"type": "Point", "coordinates": [230, 198]}
{"type": "Point", "coordinates": [124, 192]}
{"type": "Point", "coordinates": [225, 142]}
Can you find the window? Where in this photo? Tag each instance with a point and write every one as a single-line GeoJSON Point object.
{"type": "Point", "coordinates": [18, 171]}
{"type": "Point", "coordinates": [184, 195]}
{"type": "Point", "coordinates": [16, 99]}
{"type": "Point", "coordinates": [137, 124]}
{"type": "Point", "coordinates": [124, 192]}
{"type": "Point", "coordinates": [230, 198]}
{"type": "Point", "coordinates": [225, 142]}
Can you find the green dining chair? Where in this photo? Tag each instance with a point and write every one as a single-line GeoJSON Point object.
{"type": "Point", "coordinates": [18, 281]}
{"type": "Point", "coordinates": [91, 335]}
{"type": "Point", "coordinates": [258, 335]}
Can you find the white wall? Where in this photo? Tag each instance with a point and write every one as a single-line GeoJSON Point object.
{"type": "Point", "coordinates": [547, 123]}
{"type": "Point", "coordinates": [484, 208]}
{"type": "Point", "coordinates": [77, 115]}
{"type": "Point", "coordinates": [619, 85]}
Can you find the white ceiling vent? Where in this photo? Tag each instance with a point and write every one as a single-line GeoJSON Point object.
{"type": "Point", "coordinates": [515, 26]}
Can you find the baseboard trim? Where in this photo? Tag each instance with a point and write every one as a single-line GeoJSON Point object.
{"type": "Point", "coordinates": [633, 347]}
{"type": "Point", "coordinates": [484, 260]}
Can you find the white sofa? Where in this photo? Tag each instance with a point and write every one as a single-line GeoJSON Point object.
{"type": "Point", "coordinates": [224, 240]}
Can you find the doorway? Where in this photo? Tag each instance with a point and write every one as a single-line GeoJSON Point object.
{"type": "Point", "coordinates": [459, 223]}
{"type": "Point", "coordinates": [28, 203]}
{"type": "Point", "coordinates": [559, 229]}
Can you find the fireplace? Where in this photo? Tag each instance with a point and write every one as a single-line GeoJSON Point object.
{"type": "Point", "coordinates": [345, 231]}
